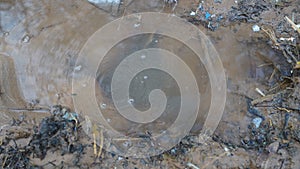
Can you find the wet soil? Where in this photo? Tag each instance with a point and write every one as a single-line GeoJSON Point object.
{"type": "Point", "coordinates": [39, 45]}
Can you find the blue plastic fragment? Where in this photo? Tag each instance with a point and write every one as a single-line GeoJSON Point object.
{"type": "Point", "coordinates": [207, 15]}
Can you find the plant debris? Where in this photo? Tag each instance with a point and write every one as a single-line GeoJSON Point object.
{"type": "Point", "coordinates": [58, 132]}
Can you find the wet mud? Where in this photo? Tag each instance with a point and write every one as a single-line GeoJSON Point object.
{"type": "Point", "coordinates": [40, 41]}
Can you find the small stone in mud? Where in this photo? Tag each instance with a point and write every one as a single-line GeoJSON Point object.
{"type": "Point", "coordinates": [273, 147]}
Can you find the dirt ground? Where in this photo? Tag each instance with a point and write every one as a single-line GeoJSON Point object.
{"type": "Point", "coordinates": [260, 126]}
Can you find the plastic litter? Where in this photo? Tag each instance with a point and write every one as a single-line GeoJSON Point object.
{"type": "Point", "coordinates": [257, 121]}
{"type": "Point", "coordinates": [193, 13]}
{"type": "Point", "coordinates": [207, 15]}
{"type": "Point", "coordinates": [111, 6]}
{"type": "Point", "coordinates": [255, 28]}
{"type": "Point", "coordinates": [70, 116]}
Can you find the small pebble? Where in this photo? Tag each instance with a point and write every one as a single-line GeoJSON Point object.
{"type": "Point", "coordinates": [26, 39]}
{"type": "Point", "coordinates": [273, 147]}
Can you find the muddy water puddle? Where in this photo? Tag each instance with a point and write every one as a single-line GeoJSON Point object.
{"type": "Point", "coordinates": [43, 40]}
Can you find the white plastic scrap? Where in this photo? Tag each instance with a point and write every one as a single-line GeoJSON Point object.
{"type": "Point", "coordinates": [287, 39]}
{"type": "Point", "coordinates": [111, 6]}
{"type": "Point", "coordinates": [260, 92]}
{"type": "Point", "coordinates": [255, 28]}
{"type": "Point", "coordinates": [78, 68]}
{"type": "Point", "coordinates": [136, 25]}
{"type": "Point", "coordinates": [193, 13]}
{"type": "Point", "coordinates": [103, 106]}
{"type": "Point", "coordinates": [191, 165]}
{"type": "Point", "coordinates": [257, 121]}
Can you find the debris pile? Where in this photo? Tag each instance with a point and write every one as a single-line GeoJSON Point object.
{"type": "Point", "coordinates": [59, 132]}
{"type": "Point", "coordinates": [203, 15]}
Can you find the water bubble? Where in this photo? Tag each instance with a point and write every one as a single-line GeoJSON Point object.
{"type": "Point", "coordinates": [103, 106]}
{"type": "Point", "coordinates": [130, 101]}
{"type": "Point", "coordinates": [143, 56]}
{"type": "Point", "coordinates": [145, 77]}
{"type": "Point", "coordinates": [5, 34]}
{"type": "Point", "coordinates": [137, 25]}
{"type": "Point", "coordinates": [78, 68]}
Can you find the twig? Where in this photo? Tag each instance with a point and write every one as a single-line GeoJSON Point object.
{"type": "Point", "coordinates": [191, 165]}
{"type": "Point", "coordinates": [283, 109]}
{"type": "Point", "coordinates": [294, 26]}
{"type": "Point", "coordinates": [101, 144]}
{"type": "Point", "coordinates": [96, 134]}
{"type": "Point", "coordinates": [3, 164]}
{"type": "Point", "coordinates": [265, 64]}
{"type": "Point", "coordinates": [94, 143]}
{"type": "Point", "coordinates": [260, 92]}
{"type": "Point", "coordinates": [271, 35]}
{"type": "Point", "coordinates": [273, 74]}
{"type": "Point", "coordinates": [20, 110]}
{"type": "Point", "coordinates": [263, 99]}
{"type": "Point", "coordinates": [287, 109]}
{"type": "Point", "coordinates": [173, 162]}
{"type": "Point", "coordinates": [50, 162]}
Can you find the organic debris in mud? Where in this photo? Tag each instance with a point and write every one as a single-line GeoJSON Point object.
{"type": "Point", "coordinates": [278, 128]}
{"type": "Point", "coordinates": [59, 132]}
{"type": "Point", "coordinates": [248, 11]}
{"type": "Point", "coordinates": [203, 16]}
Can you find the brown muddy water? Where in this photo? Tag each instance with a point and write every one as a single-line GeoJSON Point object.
{"type": "Point", "coordinates": [40, 42]}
